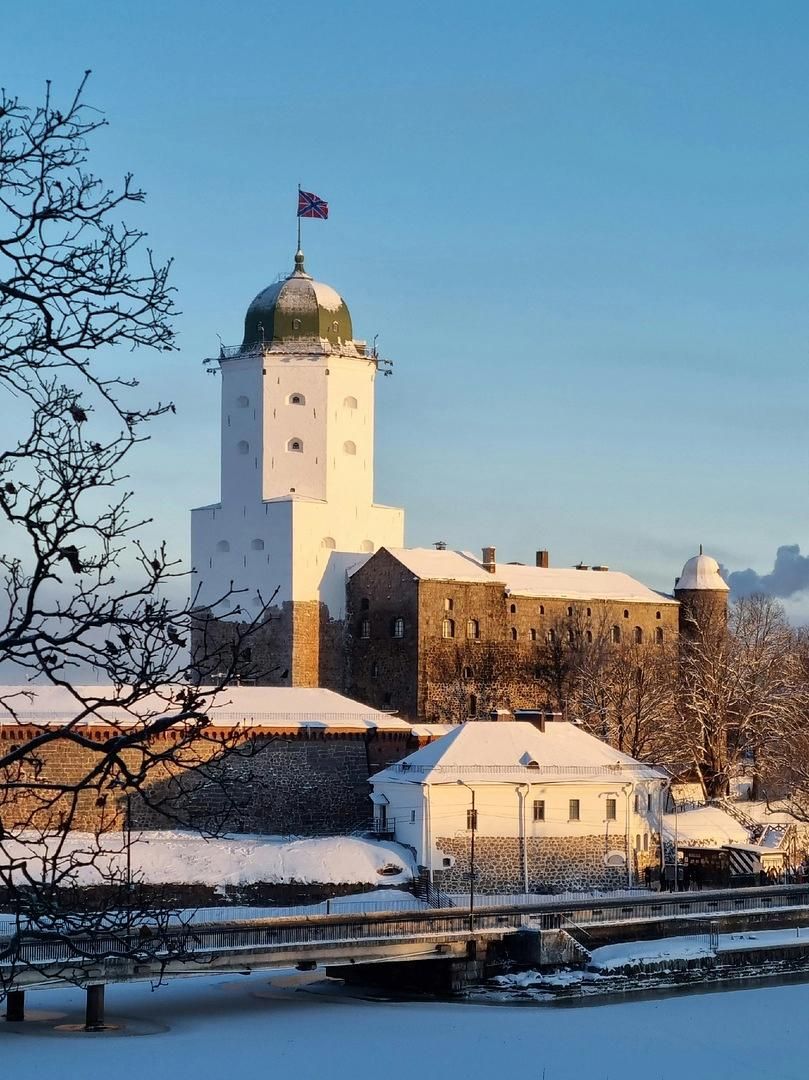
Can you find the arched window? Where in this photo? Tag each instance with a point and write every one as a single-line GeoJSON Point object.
{"type": "Point", "coordinates": [659, 635]}
{"type": "Point", "coordinates": [367, 545]}
{"type": "Point", "coordinates": [295, 446]}
{"type": "Point", "coordinates": [243, 446]}
{"type": "Point", "coordinates": [588, 636]}
{"type": "Point", "coordinates": [616, 635]}
{"type": "Point", "coordinates": [637, 635]}
{"type": "Point", "coordinates": [328, 542]}
{"type": "Point", "coordinates": [514, 633]}
{"type": "Point", "coordinates": [449, 603]}
{"type": "Point", "coordinates": [242, 401]}
{"type": "Point", "coordinates": [513, 609]}
{"type": "Point", "coordinates": [350, 402]}
{"type": "Point", "coordinates": [448, 628]}
{"type": "Point", "coordinates": [296, 399]}
{"type": "Point", "coordinates": [550, 637]}
{"type": "Point", "coordinates": [569, 611]}
{"type": "Point", "coordinates": [257, 545]}
{"type": "Point", "coordinates": [657, 614]}
{"type": "Point", "coordinates": [365, 629]}
{"type": "Point", "coordinates": [571, 636]}
{"type": "Point", "coordinates": [468, 673]}
{"type": "Point", "coordinates": [473, 629]}
{"type": "Point", "coordinates": [533, 634]}
{"type": "Point", "coordinates": [223, 545]}
{"type": "Point", "coordinates": [589, 612]}
{"type": "Point", "coordinates": [375, 669]}
{"type": "Point", "coordinates": [541, 609]}
{"type": "Point", "coordinates": [626, 613]}
{"type": "Point", "coordinates": [349, 447]}
{"type": "Point", "coordinates": [397, 627]}
{"type": "Point", "coordinates": [473, 705]}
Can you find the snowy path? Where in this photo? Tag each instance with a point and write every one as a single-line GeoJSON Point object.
{"type": "Point", "coordinates": [220, 1028]}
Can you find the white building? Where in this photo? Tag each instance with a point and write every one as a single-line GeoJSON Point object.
{"type": "Point", "coordinates": [554, 807]}
{"type": "Point", "coordinates": [296, 507]}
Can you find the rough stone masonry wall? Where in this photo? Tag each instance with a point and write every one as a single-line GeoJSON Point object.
{"type": "Point", "coordinates": [554, 862]}
{"type": "Point", "coordinates": [288, 784]}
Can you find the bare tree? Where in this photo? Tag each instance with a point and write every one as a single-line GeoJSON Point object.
{"type": "Point", "coordinates": [80, 592]}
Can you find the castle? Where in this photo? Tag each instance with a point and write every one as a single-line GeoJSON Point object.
{"type": "Point", "coordinates": [342, 603]}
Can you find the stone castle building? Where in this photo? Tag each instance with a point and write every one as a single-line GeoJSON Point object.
{"type": "Point", "coordinates": [321, 569]}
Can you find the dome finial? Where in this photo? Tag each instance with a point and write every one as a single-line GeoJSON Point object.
{"type": "Point", "coordinates": [299, 267]}
{"type": "Point", "coordinates": [700, 549]}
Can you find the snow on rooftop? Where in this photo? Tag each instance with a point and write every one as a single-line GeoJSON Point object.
{"type": "Point", "coordinates": [285, 706]}
{"type": "Point", "coordinates": [501, 752]}
{"type": "Point", "coordinates": [554, 582]}
{"type": "Point", "coordinates": [705, 825]}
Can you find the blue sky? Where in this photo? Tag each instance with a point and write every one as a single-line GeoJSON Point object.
{"type": "Point", "coordinates": [580, 231]}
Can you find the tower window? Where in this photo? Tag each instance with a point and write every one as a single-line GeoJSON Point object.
{"type": "Point", "coordinates": [223, 545]}
{"type": "Point", "coordinates": [449, 604]}
{"type": "Point", "coordinates": [295, 446]}
{"type": "Point", "coordinates": [657, 614]}
{"type": "Point", "coordinates": [365, 603]}
{"type": "Point", "coordinates": [397, 627]}
{"type": "Point", "coordinates": [533, 633]}
{"type": "Point", "coordinates": [448, 628]}
{"type": "Point", "coordinates": [365, 629]}
{"type": "Point", "coordinates": [473, 629]}
{"type": "Point", "coordinates": [257, 545]}
{"type": "Point", "coordinates": [468, 673]}
{"type": "Point", "coordinates": [541, 609]}
{"type": "Point", "coordinates": [659, 635]}
{"type": "Point", "coordinates": [626, 613]}
{"type": "Point", "coordinates": [349, 447]}
{"type": "Point", "coordinates": [350, 402]}
{"type": "Point", "coordinates": [514, 633]}
{"type": "Point", "coordinates": [589, 612]}
{"type": "Point", "coordinates": [335, 326]}
{"type": "Point", "coordinates": [473, 705]}
{"type": "Point", "coordinates": [513, 609]}
{"type": "Point", "coordinates": [550, 637]}
{"type": "Point", "coordinates": [328, 542]}
{"type": "Point", "coordinates": [375, 669]}
{"type": "Point", "coordinates": [638, 635]}
{"type": "Point", "coordinates": [588, 636]}
{"type": "Point", "coordinates": [616, 635]}
{"type": "Point", "coordinates": [296, 399]}
{"type": "Point", "coordinates": [243, 446]}
{"type": "Point", "coordinates": [570, 611]}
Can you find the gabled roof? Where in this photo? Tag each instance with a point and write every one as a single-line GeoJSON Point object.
{"type": "Point", "coordinates": [430, 564]}
{"type": "Point", "coordinates": [515, 752]}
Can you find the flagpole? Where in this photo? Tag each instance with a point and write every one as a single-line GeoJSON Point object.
{"type": "Point", "coordinates": [299, 218]}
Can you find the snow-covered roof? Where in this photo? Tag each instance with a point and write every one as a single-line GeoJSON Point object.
{"type": "Point", "coordinates": [701, 572]}
{"type": "Point", "coordinates": [281, 706]}
{"type": "Point", "coordinates": [508, 752]}
{"type": "Point", "coordinates": [705, 825]}
{"type": "Point", "coordinates": [540, 581]}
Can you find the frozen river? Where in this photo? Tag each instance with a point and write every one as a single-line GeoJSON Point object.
{"type": "Point", "coordinates": [244, 1028]}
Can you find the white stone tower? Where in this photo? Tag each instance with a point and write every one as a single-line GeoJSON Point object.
{"type": "Point", "coordinates": [297, 478]}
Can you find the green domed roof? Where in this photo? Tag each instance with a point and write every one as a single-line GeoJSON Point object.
{"type": "Point", "coordinates": [295, 308]}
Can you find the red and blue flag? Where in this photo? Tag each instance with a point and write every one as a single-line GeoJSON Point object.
{"type": "Point", "coordinates": [311, 206]}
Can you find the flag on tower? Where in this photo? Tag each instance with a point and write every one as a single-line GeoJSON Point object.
{"type": "Point", "coordinates": [311, 206]}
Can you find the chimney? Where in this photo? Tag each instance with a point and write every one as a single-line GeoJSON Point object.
{"type": "Point", "coordinates": [542, 559]}
{"type": "Point", "coordinates": [489, 560]}
{"type": "Point", "coordinates": [531, 716]}
{"type": "Point", "coordinates": [581, 566]}
{"type": "Point", "coordinates": [500, 716]}
{"type": "Point", "coordinates": [603, 569]}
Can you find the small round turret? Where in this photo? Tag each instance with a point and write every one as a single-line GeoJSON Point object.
{"type": "Point", "coordinates": [703, 595]}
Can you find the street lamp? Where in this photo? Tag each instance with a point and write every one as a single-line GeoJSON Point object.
{"type": "Point", "coordinates": [471, 858]}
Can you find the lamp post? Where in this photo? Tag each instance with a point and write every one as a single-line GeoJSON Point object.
{"type": "Point", "coordinates": [471, 859]}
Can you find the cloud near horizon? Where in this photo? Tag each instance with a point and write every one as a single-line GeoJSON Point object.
{"type": "Point", "coordinates": [789, 575]}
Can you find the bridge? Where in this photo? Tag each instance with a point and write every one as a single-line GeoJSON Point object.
{"type": "Point", "coordinates": [456, 937]}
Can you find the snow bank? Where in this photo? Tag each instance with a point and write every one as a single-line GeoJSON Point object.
{"type": "Point", "coordinates": [175, 857]}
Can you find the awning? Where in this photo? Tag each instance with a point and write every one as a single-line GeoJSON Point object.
{"type": "Point", "coordinates": [378, 799]}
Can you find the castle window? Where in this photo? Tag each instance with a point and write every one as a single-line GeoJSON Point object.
{"type": "Point", "coordinates": [533, 634]}
{"type": "Point", "coordinates": [257, 545]}
{"type": "Point", "coordinates": [246, 655]}
{"type": "Point", "coordinates": [350, 402]}
{"type": "Point", "coordinates": [375, 669]}
{"type": "Point", "coordinates": [349, 447]}
{"type": "Point", "coordinates": [570, 611]}
{"type": "Point", "coordinates": [242, 401]}
{"type": "Point", "coordinates": [468, 673]}
{"type": "Point", "coordinates": [616, 635]}
{"type": "Point", "coordinates": [223, 545]}
{"type": "Point", "coordinates": [365, 603]}
{"type": "Point", "coordinates": [296, 399]}
{"type": "Point", "coordinates": [513, 609]}
{"type": "Point", "coordinates": [243, 446]}
{"type": "Point", "coordinates": [328, 542]}
{"type": "Point", "coordinates": [473, 629]}
{"type": "Point", "coordinates": [626, 613]}
{"type": "Point", "coordinates": [473, 705]}
{"type": "Point", "coordinates": [571, 636]}
{"type": "Point", "coordinates": [365, 629]}
{"type": "Point", "coordinates": [397, 627]}
{"type": "Point", "coordinates": [657, 614]}
{"type": "Point", "coordinates": [514, 633]}
{"type": "Point", "coordinates": [448, 628]}
{"type": "Point", "coordinates": [659, 635]}
{"type": "Point", "coordinates": [449, 604]}
{"type": "Point", "coordinates": [541, 609]}
{"type": "Point", "coordinates": [367, 546]}
{"type": "Point", "coordinates": [637, 634]}
{"type": "Point", "coordinates": [295, 446]}
{"type": "Point", "coordinates": [589, 612]}
{"type": "Point", "coordinates": [574, 810]}
{"type": "Point", "coordinates": [335, 326]}
{"type": "Point", "coordinates": [539, 809]}
{"type": "Point", "coordinates": [550, 637]}
{"type": "Point", "coordinates": [588, 636]}
{"type": "Point", "coordinates": [612, 809]}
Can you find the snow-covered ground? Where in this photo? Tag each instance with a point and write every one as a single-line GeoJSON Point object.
{"type": "Point", "coordinates": [238, 1028]}
{"type": "Point", "coordinates": [609, 957]}
{"type": "Point", "coordinates": [171, 857]}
